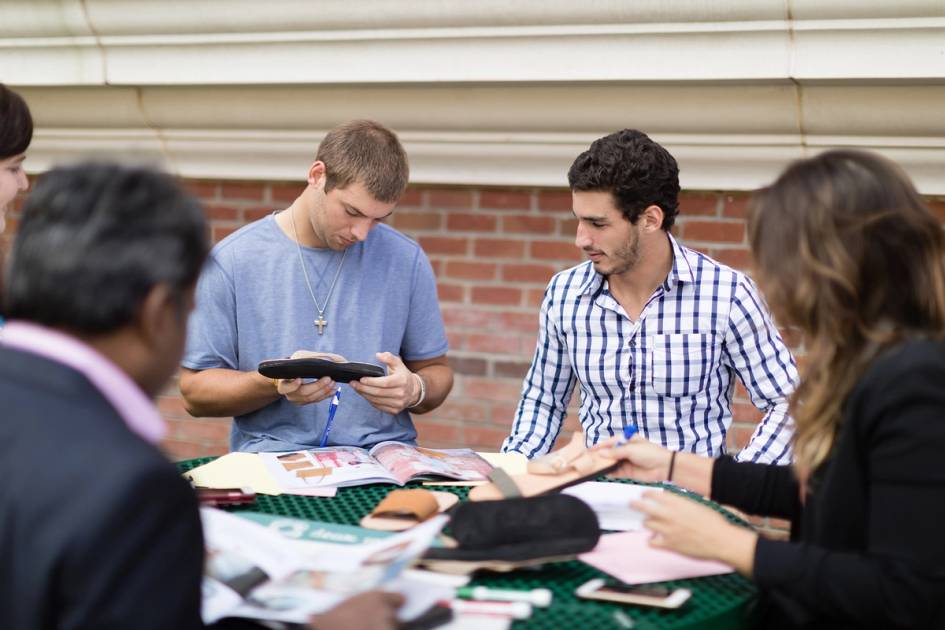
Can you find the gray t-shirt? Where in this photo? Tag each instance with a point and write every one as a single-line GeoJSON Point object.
{"type": "Point", "coordinates": [253, 304]}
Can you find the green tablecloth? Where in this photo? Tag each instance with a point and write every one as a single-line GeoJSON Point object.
{"type": "Point", "coordinates": [717, 601]}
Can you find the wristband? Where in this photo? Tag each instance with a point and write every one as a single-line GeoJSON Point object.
{"type": "Point", "coordinates": [672, 464]}
{"type": "Point", "coordinates": [423, 392]}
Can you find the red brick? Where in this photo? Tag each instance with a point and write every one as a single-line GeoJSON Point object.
{"type": "Point", "coordinates": [572, 422]}
{"type": "Point", "coordinates": [177, 450]}
{"type": "Point", "coordinates": [502, 414]}
{"type": "Point", "coordinates": [172, 407]}
{"type": "Point", "coordinates": [505, 200]}
{"type": "Point", "coordinates": [698, 204]}
{"type": "Point", "coordinates": [521, 322]}
{"type": "Point", "coordinates": [472, 366]}
{"type": "Point", "coordinates": [250, 191]}
{"type": "Point", "coordinates": [485, 438]}
{"type": "Point", "coordinates": [735, 206]}
{"type": "Point", "coordinates": [460, 411]}
{"type": "Point", "coordinates": [740, 394]}
{"type": "Point", "coordinates": [717, 231]}
{"type": "Point", "coordinates": [470, 270]}
{"type": "Point", "coordinates": [511, 369]}
{"type": "Point", "coordinates": [539, 274]}
{"type": "Point", "coordinates": [496, 295]}
{"type": "Point", "coordinates": [285, 193]}
{"type": "Point", "coordinates": [218, 233]}
{"type": "Point", "coordinates": [437, 434]}
{"type": "Point", "coordinates": [464, 317]}
{"type": "Point", "coordinates": [202, 189]}
{"type": "Point", "coordinates": [556, 250]}
{"type": "Point", "coordinates": [492, 389]}
{"type": "Point", "coordinates": [451, 292]}
{"type": "Point", "coordinates": [737, 258]}
{"type": "Point", "coordinates": [534, 297]}
{"type": "Point", "coordinates": [523, 224]}
{"type": "Point", "coordinates": [498, 248]}
{"type": "Point", "coordinates": [438, 198]}
{"type": "Point", "coordinates": [567, 227]}
{"type": "Point", "coordinates": [254, 214]}
{"type": "Point", "coordinates": [555, 200]}
{"type": "Point", "coordinates": [746, 413]}
{"type": "Point", "coordinates": [444, 245]}
{"type": "Point", "coordinates": [437, 266]}
{"type": "Point", "coordinates": [740, 436]}
{"type": "Point", "coordinates": [216, 212]}
{"type": "Point", "coordinates": [492, 342]}
{"type": "Point", "coordinates": [456, 340]}
{"type": "Point", "coordinates": [203, 431]}
{"type": "Point", "coordinates": [407, 220]}
{"type": "Point", "coordinates": [412, 197]}
{"type": "Point", "coordinates": [470, 222]}
{"type": "Point", "coordinates": [527, 343]}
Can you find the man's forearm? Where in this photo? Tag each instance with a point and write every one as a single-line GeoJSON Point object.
{"type": "Point", "coordinates": [222, 392]}
{"type": "Point", "coordinates": [438, 381]}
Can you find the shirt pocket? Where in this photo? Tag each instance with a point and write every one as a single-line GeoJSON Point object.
{"type": "Point", "coordinates": [680, 363]}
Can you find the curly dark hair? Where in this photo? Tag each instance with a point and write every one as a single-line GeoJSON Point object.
{"type": "Point", "coordinates": [637, 171]}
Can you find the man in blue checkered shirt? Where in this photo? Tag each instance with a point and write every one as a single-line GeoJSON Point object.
{"type": "Point", "coordinates": [652, 332]}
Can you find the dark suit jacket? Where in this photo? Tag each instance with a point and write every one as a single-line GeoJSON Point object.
{"type": "Point", "coordinates": [97, 529]}
{"type": "Point", "coordinates": [867, 548]}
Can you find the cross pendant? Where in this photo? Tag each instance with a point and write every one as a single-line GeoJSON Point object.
{"type": "Point", "coordinates": [321, 323]}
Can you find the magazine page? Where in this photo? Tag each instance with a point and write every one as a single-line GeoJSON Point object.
{"type": "Point", "coordinates": [322, 467]}
{"type": "Point", "coordinates": [405, 462]}
{"type": "Point", "coordinates": [256, 573]}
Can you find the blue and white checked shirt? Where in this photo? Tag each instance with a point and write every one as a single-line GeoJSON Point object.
{"type": "Point", "coordinates": [670, 371]}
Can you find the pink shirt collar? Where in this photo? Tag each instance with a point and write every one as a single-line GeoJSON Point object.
{"type": "Point", "coordinates": [116, 386]}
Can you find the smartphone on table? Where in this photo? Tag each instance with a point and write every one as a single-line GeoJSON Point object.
{"type": "Point", "coordinates": [641, 595]}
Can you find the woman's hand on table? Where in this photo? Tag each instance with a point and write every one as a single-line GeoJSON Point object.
{"type": "Point", "coordinates": [685, 526]}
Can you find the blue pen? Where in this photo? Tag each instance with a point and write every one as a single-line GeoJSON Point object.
{"type": "Point", "coordinates": [332, 408]}
{"type": "Point", "coordinates": [628, 432]}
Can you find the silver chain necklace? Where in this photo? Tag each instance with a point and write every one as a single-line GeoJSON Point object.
{"type": "Point", "coordinates": [320, 323]}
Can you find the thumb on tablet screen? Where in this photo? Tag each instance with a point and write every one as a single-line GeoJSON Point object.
{"type": "Point", "coordinates": [308, 354]}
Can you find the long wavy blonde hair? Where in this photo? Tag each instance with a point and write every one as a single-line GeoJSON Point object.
{"type": "Point", "coordinates": [845, 250]}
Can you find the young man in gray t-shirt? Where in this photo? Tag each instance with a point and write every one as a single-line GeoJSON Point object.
{"type": "Point", "coordinates": [321, 276]}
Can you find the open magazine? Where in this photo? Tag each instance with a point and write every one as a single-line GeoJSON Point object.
{"type": "Point", "coordinates": [254, 572]}
{"type": "Point", "coordinates": [387, 462]}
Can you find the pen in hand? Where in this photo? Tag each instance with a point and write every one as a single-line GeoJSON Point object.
{"type": "Point", "coordinates": [332, 408]}
{"type": "Point", "coordinates": [628, 432]}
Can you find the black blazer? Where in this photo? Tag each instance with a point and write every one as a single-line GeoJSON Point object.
{"type": "Point", "coordinates": [97, 529]}
{"type": "Point", "coordinates": [867, 546]}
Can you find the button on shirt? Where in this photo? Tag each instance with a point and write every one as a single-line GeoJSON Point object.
{"type": "Point", "coordinates": [671, 371]}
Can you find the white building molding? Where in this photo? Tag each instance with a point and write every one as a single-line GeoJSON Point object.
{"type": "Point", "coordinates": [481, 92]}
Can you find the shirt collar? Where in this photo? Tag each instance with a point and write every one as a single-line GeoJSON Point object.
{"type": "Point", "coordinates": [138, 412]}
{"type": "Point", "coordinates": [680, 272]}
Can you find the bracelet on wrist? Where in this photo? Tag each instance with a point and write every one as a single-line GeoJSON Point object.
{"type": "Point", "coordinates": [423, 391]}
{"type": "Point", "coordinates": [672, 464]}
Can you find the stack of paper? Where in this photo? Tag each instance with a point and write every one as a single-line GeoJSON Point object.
{"type": "Point", "coordinates": [611, 503]}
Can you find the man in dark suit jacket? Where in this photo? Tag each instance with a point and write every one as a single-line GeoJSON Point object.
{"type": "Point", "coordinates": [97, 529]}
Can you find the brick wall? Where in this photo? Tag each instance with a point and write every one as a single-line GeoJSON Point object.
{"type": "Point", "coordinates": [493, 251]}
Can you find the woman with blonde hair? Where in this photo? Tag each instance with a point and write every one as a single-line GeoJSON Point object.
{"type": "Point", "coordinates": [846, 252]}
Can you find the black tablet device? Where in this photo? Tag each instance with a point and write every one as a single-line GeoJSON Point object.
{"type": "Point", "coordinates": [317, 368]}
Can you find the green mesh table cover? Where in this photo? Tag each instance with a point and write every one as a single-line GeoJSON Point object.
{"type": "Point", "coordinates": [717, 601]}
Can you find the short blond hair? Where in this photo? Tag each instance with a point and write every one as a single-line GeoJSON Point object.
{"type": "Point", "coordinates": [367, 152]}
